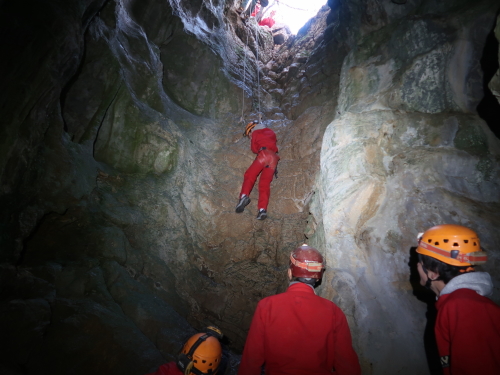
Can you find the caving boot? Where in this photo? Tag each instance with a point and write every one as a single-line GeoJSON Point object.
{"type": "Point", "coordinates": [244, 201]}
{"type": "Point", "coordinates": [262, 214]}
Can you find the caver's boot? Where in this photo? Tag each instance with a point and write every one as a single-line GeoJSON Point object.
{"type": "Point", "coordinates": [244, 201]}
{"type": "Point", "coordinates": [262, 214]}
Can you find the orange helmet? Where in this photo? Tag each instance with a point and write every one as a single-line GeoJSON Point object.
{"type": "Point", "coordinates": [452, 244]}
{"type": "Point", "coordinates": [249, 128]}
{"type": "Point", "coordinates": [306, 261]}
{"type": "Point", "coordinates": [201, 354]}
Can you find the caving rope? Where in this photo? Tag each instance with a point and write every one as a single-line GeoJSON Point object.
{"type": "Point", "coordinates": [258, 75]}
{"type": "Point", "coordinates": [257, 66]}
{"type": "Point", "coordinates": [244, 74]}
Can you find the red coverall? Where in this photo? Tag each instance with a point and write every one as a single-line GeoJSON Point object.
{"type": "Point", "coordinates": [256, 10]}
{"type": "Point", "coordinates": [267, 22]}
{"type": "Point", "coordinates": [468, 333]}
{"type": "Point", "coordinates": [298, 333]}
{"type": "Point", "coordinates": [265, 162]}
{"type": "Point", "coordinates": [168, 369]}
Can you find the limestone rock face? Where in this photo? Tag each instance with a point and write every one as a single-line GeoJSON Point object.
{"type": "Point", "coordinates": [405, 152]}
{"type": "Point", "coordinates": [494, 84]}
{"type": "Point", "coordinates": [122, 159]}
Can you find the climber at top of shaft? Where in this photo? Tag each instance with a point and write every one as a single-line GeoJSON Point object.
{"type": "Point", "coordinates": [252, 8]}
{"type": "Point", "coordinates": [263, 143]}
{"type": "Point", "coordinates": [268, 21]}
{"type": "Point", "coordinates": [200, 354]}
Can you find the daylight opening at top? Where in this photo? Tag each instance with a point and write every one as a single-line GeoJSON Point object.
{"type": "Point", "coordinates": [294, 13]}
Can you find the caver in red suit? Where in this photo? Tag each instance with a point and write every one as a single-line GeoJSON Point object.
{"type": "Point", "coordinates": [299, 333]}
{"type": "Point", "coordinates": [264, 145]}
{"type": "Point", "coordinates": [168, 369]}
{"type": "Point", "coordinates": [468, 326]}
{"type": "Point", "coordinates": [256, 10]}
{"type": "Point", "coordinates": [268, 21]}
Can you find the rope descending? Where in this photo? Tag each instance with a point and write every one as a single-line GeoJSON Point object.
{"type": "Point", "coordinates": [257, 66]}
{"type": "Point", "coordinates": [244, 75]}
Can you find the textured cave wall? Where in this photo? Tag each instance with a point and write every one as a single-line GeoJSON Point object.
{"type": "Point", "coordinates": [71, 298]}
{"type": "Point", "coordinates": [122, 159]}
{"type": "Point", "coordinates": [405, 152]}
{"type": "Point", "coordinates": [120, 223]}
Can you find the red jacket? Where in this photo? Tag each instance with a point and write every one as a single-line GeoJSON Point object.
{"type": "Point", "coordinates": [298, 333]}
{"type": "Point", "coordinates": [168, 369]}
{"type": "Point", "coordinates": [267, 22]}
{"type": "Point", "coordinates": [263, 138]}
{"type": "Point", "coordinates": [468, 333]}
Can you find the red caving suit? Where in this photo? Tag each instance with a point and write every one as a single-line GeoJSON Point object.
{"type": "Point", "coordinates": [265, 162]}
{"type": "Point", "coordinates": [269, 22]}
{"type": "Point", "coordinates": [168, 369]}
{"type": "Point", "coordinates": [299, 333]}
{"type": "Point", "coordinates": [468, 326]}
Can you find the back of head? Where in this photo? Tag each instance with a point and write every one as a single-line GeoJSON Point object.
{"type": "Point", "coordinates": [307, 263]}
{"type": "Point", "coordinates": [450, 250]}
{"type": "Point", "coordinates": [201, 354]}
{"type": "Point", "coordinates": [249, 127]}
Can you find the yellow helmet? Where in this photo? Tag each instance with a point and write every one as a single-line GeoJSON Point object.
{"type": "Point", "coordinates": [202, 353]}
{"type": "Point", "coordinates": [455, 245]}
{"type": "Point", "coordinates": [249, 128]}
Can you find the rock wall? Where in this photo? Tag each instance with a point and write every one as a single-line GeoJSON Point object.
{"type": "Point", "coordinates": [122, 159]}
{"type": "Point", "coordinates": [405, 152]}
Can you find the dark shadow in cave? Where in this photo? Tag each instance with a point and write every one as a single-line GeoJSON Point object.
{"type": "Point", "coordinates": [429, 298]}
{"type": "Point", "coordinates": [489, 108]}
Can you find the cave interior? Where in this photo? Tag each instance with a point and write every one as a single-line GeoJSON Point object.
{"type": "Point", "coordinates": [122, 158]}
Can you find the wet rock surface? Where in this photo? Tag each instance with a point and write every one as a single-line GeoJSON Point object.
{"type": "Point", "coordinates": [122, 159]}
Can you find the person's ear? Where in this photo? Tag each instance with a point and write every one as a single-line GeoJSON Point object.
{"type": "Point", "coordinates": [290, 274]}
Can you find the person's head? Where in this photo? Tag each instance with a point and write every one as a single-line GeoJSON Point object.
{"type": "Point", "coordinates": [307, 265]}
{"type": "Point", "coordinates": [202, 353]}
{"type": "Point", "coordinates": [249, 128]}
{"type": "Point", "coordinates": [446, 251]}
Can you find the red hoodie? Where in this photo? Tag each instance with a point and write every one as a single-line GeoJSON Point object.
{"type": "Point", "coordinates": [298, 333]}
{"type": "Point", "coordinates": [468, 333]}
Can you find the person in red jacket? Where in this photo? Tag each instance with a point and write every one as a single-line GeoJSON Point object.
{"type": "Point", "coordinates": [298, 332]}
{"type": "Point", "coordinates": [268, 21]}
{"type": "Point", "coordinates": [201, 354]}
{"type": "Point", "coordinates": [468, 323]}
{"type": "Point", "coordinates": [263, 143]}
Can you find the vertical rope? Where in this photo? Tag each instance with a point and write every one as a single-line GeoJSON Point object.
{"type": "Point", "coordinates": [244, 75]}
{"type": "Point", "coordinates": [257, 64]}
